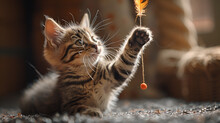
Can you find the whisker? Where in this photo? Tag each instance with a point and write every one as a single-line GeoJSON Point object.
{"type": "Point", "coordinates": [95, 18]}
{"type": "Point", "coordinates": [35, 69]}
{"type": "Point", "coordinates": [86, 67]}
{"type": "Point", "coordinates": [73, 19]}
{"type": "Point", "coordinates": [112, 48]}
{"type": "Point", "coordinates": [98, 24]}
{"type": "Point", "coordinates": [114, 42]}
{"type": "Point", "coordinates": [105, 38]}
{"type": "Point", "coordinates": [91, 62]}
{"type": "Point", "coordinates": [107, 57]}
{"type": "Point", "coordinates": [66, 23]}
{"type": "Point", "coordinates": [90, 66]}
{"type": "Point", "coordinates": [111, 54]}
{"type": "Point", "coordinates": [112, 36]}
{"type": "Point", "coordinates": [99, 29]}
{"type": "Point", "coordinates": [96, 29]}
{"type": "Point", "coordinates": [89, 13]}
{"type": "Point", "coordinates": [113, 51]}
{"type": "Point", "coordinates": [104, 25]}
{"type": "Point", "coordinates": [101, 22]}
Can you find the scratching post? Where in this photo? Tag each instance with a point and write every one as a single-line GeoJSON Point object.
{"type": "Point", "coordinates": [175, 24]}
{"type": "Point", "coordinates": [177, 36]}
{"type": "Point", "coordinates": [184, 69]}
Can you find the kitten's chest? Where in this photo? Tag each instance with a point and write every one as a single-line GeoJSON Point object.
{"type": "Point", "coordinates": [102, 94]}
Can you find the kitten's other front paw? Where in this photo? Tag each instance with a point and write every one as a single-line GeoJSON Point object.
{"type": "Point", "coordinates": [140, 36]}
{"type": "Point", "coordinates": [93, 112]}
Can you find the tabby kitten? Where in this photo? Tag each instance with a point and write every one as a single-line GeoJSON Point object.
{"type": "Point", "coordinates": [82, 81]}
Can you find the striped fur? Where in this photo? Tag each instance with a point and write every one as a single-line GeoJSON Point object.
{"type": "Point", "coordinates": [84, 81]}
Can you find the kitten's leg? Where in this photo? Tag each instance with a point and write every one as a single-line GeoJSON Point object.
{"type": "Point", "coordinates": [76, 100]}
{"type": "Point", "coordinates": [85, 110]}
{"type": "Point", "coordinates": [94, 112]}
{"type": "Point", "coordinates": [126, 63]}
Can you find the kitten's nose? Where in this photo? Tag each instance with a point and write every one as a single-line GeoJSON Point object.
{"type": "Point", "coordinates": [95, 46]}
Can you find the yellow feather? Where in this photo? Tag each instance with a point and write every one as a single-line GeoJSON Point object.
{"type": "Point", "coordinates": [140, 5]}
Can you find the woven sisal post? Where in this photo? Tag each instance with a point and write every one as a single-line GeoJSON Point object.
{"type": "Point", "coordinates": [175, 24]}
{"type": "Point", "coordinates": [185, 70]}
{"type": "Point", "coordinates": [199, 72]}
{"type": "Point", "coordinates": [177, 35]}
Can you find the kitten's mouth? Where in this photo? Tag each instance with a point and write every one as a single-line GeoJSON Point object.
{"type": "Point", "coordinates": [96, 53]}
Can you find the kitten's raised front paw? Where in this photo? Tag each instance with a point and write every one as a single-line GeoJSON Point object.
{"type": "Point", "coordinates": [140, 36]}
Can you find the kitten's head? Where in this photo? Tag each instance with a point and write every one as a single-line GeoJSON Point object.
{"type": "Point", "coordinates": [70, 46]}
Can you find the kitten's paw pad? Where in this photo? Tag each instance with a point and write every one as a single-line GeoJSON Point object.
{"type": "Point", "coordinates": [140, 36]}
{"type": "Point", "coordinates": [93, 113]}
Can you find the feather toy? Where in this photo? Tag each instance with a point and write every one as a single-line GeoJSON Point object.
{"type": "Point", "coordinates": [140, 5]}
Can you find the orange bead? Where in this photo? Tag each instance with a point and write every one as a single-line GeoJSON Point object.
{"type": "Point", "coordinates": [143, 86]}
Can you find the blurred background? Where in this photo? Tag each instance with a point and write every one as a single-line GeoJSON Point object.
{"type": "Point", "coordinates": [181, 29]}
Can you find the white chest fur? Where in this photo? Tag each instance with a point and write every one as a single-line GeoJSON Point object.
{"type": "Point", "coordinates": [105, 96]}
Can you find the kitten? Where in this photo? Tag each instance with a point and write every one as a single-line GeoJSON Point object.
{"type": "Point", "coordinates": [82, 81]}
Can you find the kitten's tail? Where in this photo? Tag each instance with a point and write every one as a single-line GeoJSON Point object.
{"type": "Point", "coordinates": [42, 97]}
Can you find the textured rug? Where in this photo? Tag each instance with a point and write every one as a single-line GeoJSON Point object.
{"type": "Point", "coordinates": [130, 111]}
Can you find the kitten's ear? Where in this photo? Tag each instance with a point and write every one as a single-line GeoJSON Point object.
{"type": "Point", "coordinates": [52, 31]}
{"type": "Point", "coordinates": [85, 22]}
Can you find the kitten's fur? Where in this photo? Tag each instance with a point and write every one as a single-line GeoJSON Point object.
{"type": "Point", "coordinates": [82, 81]}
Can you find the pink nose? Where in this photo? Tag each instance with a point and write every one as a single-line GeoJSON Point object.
{"type": "Point", "coordinates": [95, 46]}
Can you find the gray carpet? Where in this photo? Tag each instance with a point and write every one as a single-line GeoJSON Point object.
{"type": "Point", "coordinates": [152, 111]}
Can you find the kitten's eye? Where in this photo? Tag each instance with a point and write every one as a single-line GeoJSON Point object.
{"type": "Point", "coordinates": [79, 42]}
{"type": "Point", "coordinates": [73, 36]}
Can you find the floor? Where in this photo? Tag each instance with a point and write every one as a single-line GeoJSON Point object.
{"type": "Point", "coordinates": [126, 111]}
